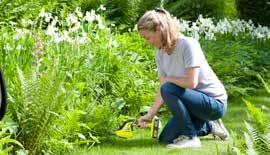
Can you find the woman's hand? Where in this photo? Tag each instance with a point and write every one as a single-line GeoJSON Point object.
{"type": "Point", "coordinates": [143, 121]}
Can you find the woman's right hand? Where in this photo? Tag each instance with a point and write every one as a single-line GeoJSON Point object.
{"type": "Point", "coordinates": [143, 121]}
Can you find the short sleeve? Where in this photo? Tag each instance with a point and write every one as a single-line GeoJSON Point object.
{"type": "Point", "coordinates": [193, 55]}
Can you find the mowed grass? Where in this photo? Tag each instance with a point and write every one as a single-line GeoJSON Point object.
{"type": "Point", "coordinates": [143, 144]}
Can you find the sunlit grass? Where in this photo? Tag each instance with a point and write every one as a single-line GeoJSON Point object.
{"type": "Point", "coordinates": [142, 143]}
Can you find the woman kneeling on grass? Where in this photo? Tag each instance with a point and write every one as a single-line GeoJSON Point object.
{"type": "Point", "coordinates": [188, 86]}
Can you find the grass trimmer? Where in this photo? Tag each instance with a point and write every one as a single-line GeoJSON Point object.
{"type": "Point", "coordinates": [126, 129]}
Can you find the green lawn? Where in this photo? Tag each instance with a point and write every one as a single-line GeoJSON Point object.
{"type": "Point", "coordinates": [142, 144]}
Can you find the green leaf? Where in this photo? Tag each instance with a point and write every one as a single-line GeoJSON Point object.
{"type": "Point", "coordinates": [80, 86]}
{"type": "Point", "coordinates": [266, 85]}
{"type": "Point", "coordinates": [118, 104]}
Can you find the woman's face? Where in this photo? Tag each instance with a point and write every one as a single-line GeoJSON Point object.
{"type": "Point", "coordinates": [152, 38]}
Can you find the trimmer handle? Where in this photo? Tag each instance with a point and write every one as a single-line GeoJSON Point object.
{"type": "Point", "coordinates": [132, 120]}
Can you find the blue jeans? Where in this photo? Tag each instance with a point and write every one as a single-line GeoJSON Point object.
{"type": "Point", "coordinates": [191, 112]}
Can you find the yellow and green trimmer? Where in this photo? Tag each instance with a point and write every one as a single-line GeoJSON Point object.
{"type": "Point", "coordinates": [126, 129]}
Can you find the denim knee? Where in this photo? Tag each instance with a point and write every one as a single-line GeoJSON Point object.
{"type": "Point", "coordinates": [219, 111]}
{"type": "Point", "coordinates": [168, 88]}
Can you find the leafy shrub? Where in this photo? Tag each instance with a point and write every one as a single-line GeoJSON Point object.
{"type": "Point", "coordinates": [14, 10]}
{"type": "Point", "coordinates": [148, 5]}
{"type": "Point", "coordinates": [191, 9]}
{"type": "Point", "coordinates": [119, 12]}
{"type": "Point", "coordinates": [235, 63]}
{"type": "Point", "coordinates": [257, 11]}
{"type": "Point", "coordinates": [230, 10]}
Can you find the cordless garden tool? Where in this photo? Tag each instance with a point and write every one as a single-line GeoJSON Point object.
{"type": "Point", "coordinates": [3, 95]}
{"type": "Point", "coordinates": [126, 129]}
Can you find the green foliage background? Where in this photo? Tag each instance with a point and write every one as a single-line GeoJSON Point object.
{"type": "Point", "coordinates": [257, 11]}
{"type": "Point", "coordinates": [75, 94]}
{"type": "Point", "coordinates": [120, 12]}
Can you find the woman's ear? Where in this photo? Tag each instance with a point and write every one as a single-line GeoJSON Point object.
{"type": "Point", "coordinates": [158, 28]}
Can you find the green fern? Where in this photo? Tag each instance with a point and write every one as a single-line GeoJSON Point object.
{"type": "Point", "coordinates": [42, 100]}
{"type": "Point", "coordinates": [261, 144]}
{"type": "Point", "coordinates": [234, 142]}
{"type": "Point", "coordinates": [266, 85]}
{"type": "Point", "coordinates": [257, 116]}
{"type": "Point", "coordinates": [68, 131]}
{"type": "Point", "coordinates": [71, 123]}
{"type": "Point", "coordinates": [267, 135]}
{"type": "Point", "coordinates": [249, 143]}
{"type": "Point", "coordinates": [256, 137]}
{"type": "Point", "coordinates": [258, 131]}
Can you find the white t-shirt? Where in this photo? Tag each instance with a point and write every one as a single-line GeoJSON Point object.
{"type": "Point", "coordinates": [188, 53]}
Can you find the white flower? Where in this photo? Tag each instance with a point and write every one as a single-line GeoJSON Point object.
{"type": "Point", "coordinates": [134, 29]}
{"type": "Point", "coordinates": [81, 136]}
{"type": "Point", "coordinates": [113, 43]}
{"type": "Point", "coordinates": [57, 38]}
{"type": "Point", "coordinates": [99, 18]}
{"type": "Point", "coordinates": [223, 26]}
{"type": "Point", "coordinates": [78, 12]}
{"type": "Point", "coordinates": [48, 17]}
{"type": "Point", "coordinates": [205, 22]}
{"type": "Point", "coordinates": [20, 47]}
{"type": "Point", "coordinates": [102, 8]}
{"type": "Point", "coordinates": [261, 32]}
{"type": "Point", "coordinates": [97, 36]}
{"type": "Point", "coordinates": [81, 40]}
{"type": "Point", "coordinates": [12, 23]}
{"type": "Point", "coordinates": [42, 13]}
{"type": "Point", "coordinates": [20, 33]}
{"type": "Point", "coordinates": [184, 26]}
{"type": "Point", "coordinates": [210, 36]}
{"type": "Point", "coordinates": [15, 37]}
{"type": "Point", "coordinates": [51, 30]}
{"type": "Point", "coordinates": [206, 27]}
{"type": "Point", "coordinates": [65, 36]}
{"type": "Point", "coordinates": [100, 24]}
{"type": "Point", "coordinates": [71, 19]}
{"type": "Point", "coordinates": [27, 22]}
{"type": "Point", "coordinates": [90, 16]}
{"type": "Point", "coordinates": [194, 28]}
{"type": "Point", "coordinates": [8, 47]}
{"type": "Point", "coordinates": [54, 21]}
{"type": "Point", "coordinates": [89, 58]}
{"type": "Point", "coordinates": [195, 35]}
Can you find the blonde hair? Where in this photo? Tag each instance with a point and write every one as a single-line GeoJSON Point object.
{"type": "Point", "coordinates": [160, 19]}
